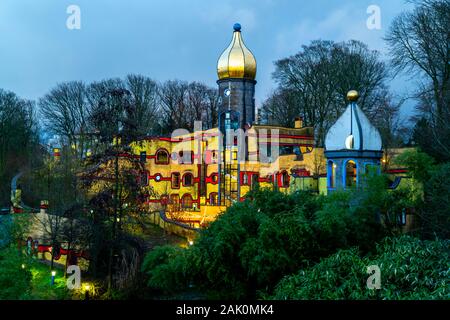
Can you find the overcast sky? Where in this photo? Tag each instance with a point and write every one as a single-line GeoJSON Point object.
{"type": "Point", "coordinates": [170, 39]}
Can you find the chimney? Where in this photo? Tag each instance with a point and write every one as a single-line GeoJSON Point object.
{"type": "Point", "coordinates": [298, 123]}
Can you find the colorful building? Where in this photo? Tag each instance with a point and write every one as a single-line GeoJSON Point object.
{"type": "Point", "coordinates": [207, 170]}
{"type": "Point", "coordinates": [195, 176]}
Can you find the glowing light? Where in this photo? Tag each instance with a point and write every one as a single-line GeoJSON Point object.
{"type": "Point", "coordinates": [23, 266]}
{"type": "Point", "coordinates": [191, 242]}
{"type": "Point", "coordinates": [53, 273]}
{"type": "Point", "coordinates": [86, 287]}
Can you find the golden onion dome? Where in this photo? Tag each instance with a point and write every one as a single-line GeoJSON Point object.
{"type": "Point", "coordinates": [237, 61]}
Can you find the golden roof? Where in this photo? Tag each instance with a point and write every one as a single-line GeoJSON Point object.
{"type": "Point", "coordinates": [237, 61]}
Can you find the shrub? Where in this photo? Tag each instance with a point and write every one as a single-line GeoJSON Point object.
{"type": "Point", "coordinates": [15, 281]}
{"type": "Point", "coordinates": [410, 269]}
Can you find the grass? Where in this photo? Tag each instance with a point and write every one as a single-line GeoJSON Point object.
{"type": "Point", "coordinates": [42, 289]}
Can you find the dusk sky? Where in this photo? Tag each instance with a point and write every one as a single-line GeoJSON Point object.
{"type": "Point", "coordinates": [171, 39]}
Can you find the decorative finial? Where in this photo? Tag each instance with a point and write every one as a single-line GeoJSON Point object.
{"type": "Point", "coordinates": [352, 95]}
{"type": "Point", "coordinates": [237, 27]}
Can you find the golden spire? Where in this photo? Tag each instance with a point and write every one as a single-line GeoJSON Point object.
{"type": "Point", "coordinates": [237, 61]}
{"type": "Point", "coordinates": [352, 95]}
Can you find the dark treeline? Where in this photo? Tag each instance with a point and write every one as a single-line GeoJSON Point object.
{"type": "Point", "coordinates": [77, 113]}
{"type": "Point", "coordinates": [313, 82]}
{"type": "Point", "coordinates": [19, 145]}
{"type": "Point", "coordinates": [70, 109]}
{"type": "Point", "coordinates": [271, 240]}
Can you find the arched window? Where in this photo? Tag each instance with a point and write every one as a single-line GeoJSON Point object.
{"type": "Point", "coordinates": [188, 179]}
{"type": "Point", "coordinates": [284, 180]}
{"type": "Point", "coordinates": [351, 174]}
{"type": "Point", "coordinates": [213, 198]}
{"type": "Point", "coordinates": [214, 178]}
{"type": "Point", "coordinates": [162, 157]}
{"type": "Point", "coordinates": [186, 201]}
{"type": "Point", "coordinates": [331, 171]}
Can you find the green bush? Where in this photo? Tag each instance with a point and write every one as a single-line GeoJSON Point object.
{"type": "Point", "coordinates": [164, 267]}
{"type": "Point", "coordinates": [15, 281]}
{"type": "Point", "coordinates": [247, 250]}
{"type": "Point", "coordinates": [410, 269]}
{"type": "Point", "coordinates": [436, 212]}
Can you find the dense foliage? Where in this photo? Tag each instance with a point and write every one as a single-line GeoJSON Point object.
{"type": "Point", "coordinates": [15, 281]}
{"type": "Point", "coordinates": [18, 139]}
{"type": "Point", "coordinates": [247, 250]}
{"type": "Point", "coordinates": [429, 193]}
{"type": "Point", "coordinates": [410, 269]}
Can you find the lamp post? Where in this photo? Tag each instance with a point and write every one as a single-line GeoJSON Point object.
{"type": "Point", "coordinates": [53, 277]}
{"type": "Point", "coordinates": [87, 288]}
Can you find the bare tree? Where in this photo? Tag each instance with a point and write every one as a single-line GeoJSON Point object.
{"type": "Point", "coordinates": [183, 103]}
{"type": "Point", "coordinates": [144, 92]}
{"type": "Point", "coordinates": [419, 44]}
{"type": "Point", "coordinates": [314, 83]}
{"type": "Point", "coordinates": [281, 107]}
{"type": "Point", "coordinates": [173, 104]}
{"type": "Point", "coordinates": [65, 112]}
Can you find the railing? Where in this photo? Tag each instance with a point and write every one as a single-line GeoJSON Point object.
{"type": "Point", "coordinates": [174, 227]}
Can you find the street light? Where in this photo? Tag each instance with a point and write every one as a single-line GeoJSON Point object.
{"type": "Point", "coordinates": [87, 288]}
{"type": "Point", "coordinates": [53, 277]}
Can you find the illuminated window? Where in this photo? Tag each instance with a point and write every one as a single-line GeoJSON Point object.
{"type": "Point", "coordinates": [284, 183]}
{"type": "Point", "coordinates": [186, 201]}
{"type": "Point", "coordinates": [188, 179]}
{"type": "Point", "coordinates": [350, 173]}
{"type": "Point", "coordinates": [213, 198]}
{"type": "Point", "coordinates": [175, 180]}
{"type": "Point", "coordinates": [162, 157]}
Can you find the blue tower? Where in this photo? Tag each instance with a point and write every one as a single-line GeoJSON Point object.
{"type": "Point", "coordinates": [353, 147]}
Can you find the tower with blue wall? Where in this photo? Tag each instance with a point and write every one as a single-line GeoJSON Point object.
{"type": "Point", "coordinates": [353, 148]}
